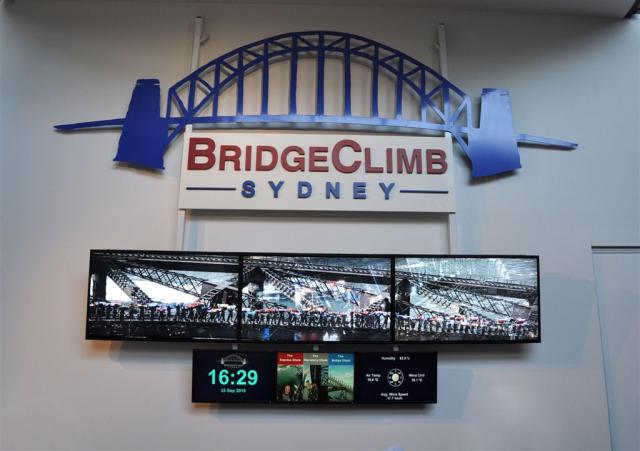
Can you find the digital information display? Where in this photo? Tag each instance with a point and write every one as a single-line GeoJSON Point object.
{"type": "Point", "coordinates": [397, 378]}
{"type": "Point", "coordinates": [232, 376]}
{"type": "Point", "coordinates": [314, 377]}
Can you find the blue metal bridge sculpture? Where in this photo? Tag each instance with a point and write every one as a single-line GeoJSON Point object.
{"type": "Point", "coordinates": [492, 148]}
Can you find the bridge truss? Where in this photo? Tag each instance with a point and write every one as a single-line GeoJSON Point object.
{"type": "Point", "coordinates": [121, 266]}
{"type": "Point", "coordinates": [481, 297]}
{"type": "Point", "coordinates": [440, 106]}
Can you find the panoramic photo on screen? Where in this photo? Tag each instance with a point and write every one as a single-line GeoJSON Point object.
{"type": "Point", "coordinates": [145, 295]}
{"type": "Point", "coordinates": [467, 299]}
{"type": "Point", "coordinates": [316, 299]}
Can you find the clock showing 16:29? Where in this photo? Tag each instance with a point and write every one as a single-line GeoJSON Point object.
{"type": "Point", "coordinates": [232, 377]}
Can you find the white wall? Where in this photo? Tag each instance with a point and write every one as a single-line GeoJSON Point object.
{"type": "Point", "coordinates": [2, 133]}
{"type": "Point", "coordinates": [572, 78]}
{"type": "Point", "coordinates": [618, 292]}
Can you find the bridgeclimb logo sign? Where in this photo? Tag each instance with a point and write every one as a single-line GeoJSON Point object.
{"type": "Point", "coordinates": [424, 103]}
{"type": "Point", "coordinates": [315, 171]}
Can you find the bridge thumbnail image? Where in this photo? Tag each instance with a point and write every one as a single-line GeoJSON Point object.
{"type": "Point", "coordinates": [466, 299]}
{"type": "Point", "coordinates": [422, 101]}
{"type": "Point", "coordinates": [314, 378]}
{"type": "Point", "coordinates": [162, 296]}
{"type": "Point", "coordinates": [315, 298]}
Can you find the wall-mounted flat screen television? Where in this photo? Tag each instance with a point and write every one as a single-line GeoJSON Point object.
{"type": "Point", "coordinates": [467, 299]}
{"type": "Point", "coordinates": [313, 298]}
{"type": "Point", "coordinates": [148, 295]}
{"type": "Point", "coordinates": [316, 299]}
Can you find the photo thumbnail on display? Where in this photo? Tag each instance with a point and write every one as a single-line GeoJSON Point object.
{"type": "Point", "coordinates": [314, 377]}
{"type": "Point", "coordinates": [314, 299]}
{"type": "Point", "coordinates": [163, 296]}
{"type": "Point", "coordinates": [467, 299]}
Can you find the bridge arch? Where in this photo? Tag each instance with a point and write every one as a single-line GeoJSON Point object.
{"type": "Point", "coordinates": [441, 106]}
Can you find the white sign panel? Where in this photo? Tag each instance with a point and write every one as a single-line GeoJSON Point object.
{"type": "Point", "coordinates": [231, 170]}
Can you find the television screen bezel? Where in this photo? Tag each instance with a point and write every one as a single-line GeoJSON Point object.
{"type": "Point", "coordinates": [462, 342]}
{"type": "Point", "coordinates": [158, 339]}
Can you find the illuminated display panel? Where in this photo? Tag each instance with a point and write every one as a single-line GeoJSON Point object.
{"type": "Point", "coordinates": [467, 299]}
{"type": "Point", "coordinates": [299, 378]}
{"type": "Point", "coordinates": [314, 377]}
{"type": "Point", "coordinates": [149, 295]}
{"type": "Point", "coordinates": [316, 299]}
{"type": "Point", "coordinates": [396, 378]}
{"type": "Point", "coordinates": [232, 376]}
{"type": "Point", "coordinates": [286, 298]}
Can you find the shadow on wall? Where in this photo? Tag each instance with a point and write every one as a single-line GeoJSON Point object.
{"type": "Point", "coordinates": [567, 307]}
{"type": "Point", "coordinates": [454, 381]}
{"type": "Point", "coordinates": [566, 313]}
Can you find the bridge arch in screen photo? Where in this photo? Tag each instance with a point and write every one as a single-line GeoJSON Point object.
{"type": "Point", "coordinates": [441, 106]}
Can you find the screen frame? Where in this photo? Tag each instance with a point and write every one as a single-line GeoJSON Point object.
{"type": "Point", "coordinates": [538, 338]}
{"type": "Point", "coordinates": [160, 339]}
{"type": "Point", "coordinates": [392, 341]}
{"type": "Point", "coordinates": [355, 404]}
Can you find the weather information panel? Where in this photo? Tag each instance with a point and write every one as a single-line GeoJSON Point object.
{"type": "Point", "coordinates": [232, 376]}
{"type": "Point", "coordinates": [397, 378]}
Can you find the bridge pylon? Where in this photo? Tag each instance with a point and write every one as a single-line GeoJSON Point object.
{"type": "Point", "coordinates": [493, 148]}
{"type": "Point", "coordinates": [144, 134]}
